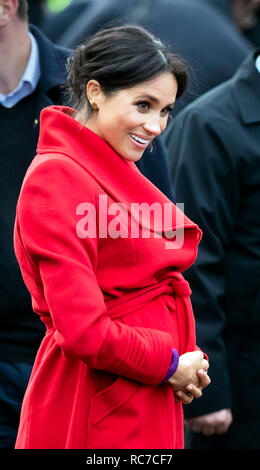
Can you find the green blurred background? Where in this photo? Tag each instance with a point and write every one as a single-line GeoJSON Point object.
{"type": "Point", "coordinates": [57, 5]}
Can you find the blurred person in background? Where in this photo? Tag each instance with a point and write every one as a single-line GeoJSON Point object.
{"type": "Point", "coordinates": [32, 71]}
{"type": "Point", "coordinates": [214, 146]}
{"type": "Point", "coordinates": [245, 14]}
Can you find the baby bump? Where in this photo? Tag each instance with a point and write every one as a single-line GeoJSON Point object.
{"type": "Point", "coordinates": [159, 314]}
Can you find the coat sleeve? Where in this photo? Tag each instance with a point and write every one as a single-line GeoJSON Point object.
{"type": "Point", "coordinates": [206, 181]}
{"type": "Point", "coordinates": [66, 264]}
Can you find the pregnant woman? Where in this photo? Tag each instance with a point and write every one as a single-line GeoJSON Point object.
{"type": "Point", "coordinates": [119, 358]}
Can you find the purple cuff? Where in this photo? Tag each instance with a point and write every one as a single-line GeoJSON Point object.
{"type": "Point", "coordinates": [173, 365]}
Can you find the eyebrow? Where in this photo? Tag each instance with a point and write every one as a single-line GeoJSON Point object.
{"type": "Point", "coordinates": [152, 98]}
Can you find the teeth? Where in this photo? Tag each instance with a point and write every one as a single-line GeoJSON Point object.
{"type": "Point", "coordinates": [138, 139]}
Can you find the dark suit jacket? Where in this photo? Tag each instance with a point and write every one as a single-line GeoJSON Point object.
{"type": "Point", "coordinates": [214, 146]}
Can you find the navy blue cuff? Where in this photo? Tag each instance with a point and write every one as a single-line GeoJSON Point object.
{"type": "Point", "coordinates": [173, 366]}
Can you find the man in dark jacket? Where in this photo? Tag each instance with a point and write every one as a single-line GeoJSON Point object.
{"type": "Point", "coordinates": [214, 146]}
{"type": "Point", "coordinates": [31, 72]}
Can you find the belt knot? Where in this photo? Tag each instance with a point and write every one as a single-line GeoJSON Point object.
{"type": "Point", "coordinates": [181, 287]}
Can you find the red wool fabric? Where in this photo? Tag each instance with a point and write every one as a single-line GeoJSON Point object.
{"type": "Point", "coordinates": [113, 307]}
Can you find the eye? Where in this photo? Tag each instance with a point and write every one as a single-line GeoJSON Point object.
{"type": "Point", "coordinates": [143, 105]}
{"type": "Point", "coordinates": [166, 111]}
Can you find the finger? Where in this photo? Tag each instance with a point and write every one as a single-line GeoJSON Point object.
{"type": "Point", "coordinates": [194, 391]}
{"type": "Point", "coordinates": [208, 431]}
{"type": "Point", "coordinates": [196, 427]}
{"type": "Point", "coordinates": [222, 428]}
{"type": "Point", "coordinates": [204, 364]}
{"type": "Point", "coordinates": [184, 398]}
{"type": "Point", "coordinates": [204, 378]}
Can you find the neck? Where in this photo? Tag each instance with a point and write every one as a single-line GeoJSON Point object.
{"type": "Point", "coordinates": [15, 48]}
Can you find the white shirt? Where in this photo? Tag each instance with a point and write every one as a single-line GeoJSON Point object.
{"type": "Point", "coordinates": [257, 63]}
{"type": "Point", "coordinates": [29, 80]}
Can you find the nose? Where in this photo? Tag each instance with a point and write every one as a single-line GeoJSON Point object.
{"type": "Point", "coordinates": [153, 127]}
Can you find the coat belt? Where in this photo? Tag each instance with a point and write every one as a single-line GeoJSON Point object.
{"type": "Point", "coordinates": [174, 285]}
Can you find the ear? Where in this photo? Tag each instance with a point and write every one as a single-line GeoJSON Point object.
{"type": "Point", "coordinates": [8, 10]}
{"type": "Point", "coordinates": [94, 92]}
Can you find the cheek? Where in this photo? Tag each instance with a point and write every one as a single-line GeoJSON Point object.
{"type": "Point", "coordinates": [133, 122]}
{"type": "Point", "coordinates": [124, 123]}
{"type": "Point", "coordinates": [117, 122]}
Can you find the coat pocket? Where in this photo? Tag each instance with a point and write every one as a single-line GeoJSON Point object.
{"type": "Point", "coordinates": [131, 415]}
{"type": "Point", "coordinates": [106, 418]}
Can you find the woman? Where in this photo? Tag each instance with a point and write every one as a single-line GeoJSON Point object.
{"type": "Point", "coordinates": [119, 356]}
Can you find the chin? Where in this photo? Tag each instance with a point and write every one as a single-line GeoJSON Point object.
{"type": "Point", "coordinates": [132, 157]}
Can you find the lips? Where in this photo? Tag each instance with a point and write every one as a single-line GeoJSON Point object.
{"type": "Point", "coordinates": [139, 141]}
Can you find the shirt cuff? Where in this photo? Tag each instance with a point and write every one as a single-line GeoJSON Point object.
{"type": "Point", "coordinates": [173, 366]}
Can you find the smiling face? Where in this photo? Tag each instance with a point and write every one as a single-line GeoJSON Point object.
{"type": "Point", "coordinates": [131, 118]}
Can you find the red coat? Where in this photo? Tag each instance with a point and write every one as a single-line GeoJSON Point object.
{"type": "Point", "coordinates": [113, 307]}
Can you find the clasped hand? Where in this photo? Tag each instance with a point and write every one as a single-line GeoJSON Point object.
{"type": "Point", "coordinates": [190, 378]}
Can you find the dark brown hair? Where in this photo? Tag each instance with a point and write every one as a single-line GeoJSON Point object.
{"type": "Point", "coordinates": [118, 58]}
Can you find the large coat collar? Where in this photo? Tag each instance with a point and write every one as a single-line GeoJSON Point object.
{"type": "Point", "coordinates": [246, 88]}
{"type": "Point", "coordinates": [61, 133]}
